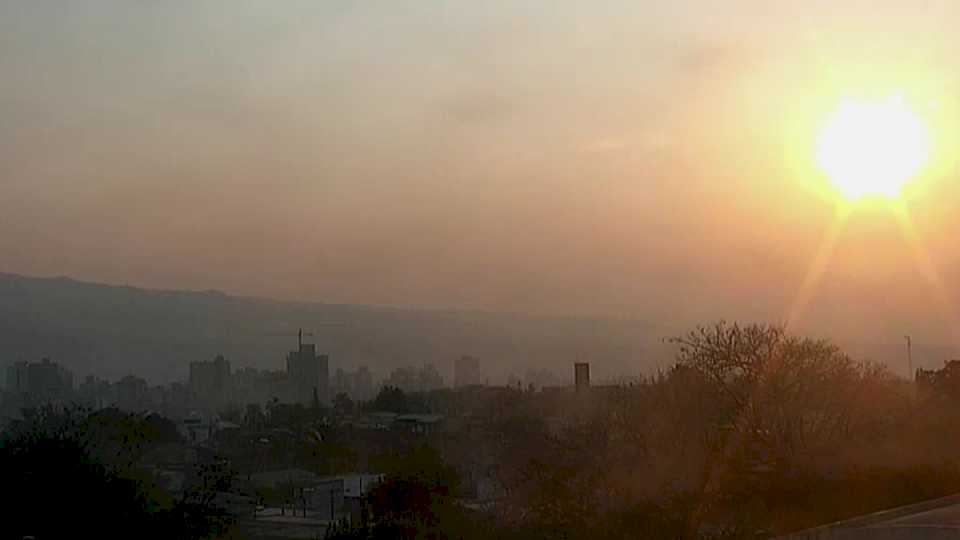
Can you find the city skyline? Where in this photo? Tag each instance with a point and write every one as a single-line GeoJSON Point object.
{"type": "Point", "coordinates": [546, 270]}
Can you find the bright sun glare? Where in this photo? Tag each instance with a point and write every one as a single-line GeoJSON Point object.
{"type": "Point", "coordinates": [872, 147]}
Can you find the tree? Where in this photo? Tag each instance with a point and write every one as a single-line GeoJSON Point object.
{"type": "Point", "coordinates": [60, 480]}
{"type": "Point", "coordinates": [254, 419]}
{"type": "Point", "coordinates": [289, 414]}
{"type": "Point", "coordinates": [783, 401]}
{"type": "Point", "coordinates": [787, 395]}
{"type": "Point", "coordinates": [342, 404]}
{"type": "Point", "coordinates": [390, 398]}
{"type": "Point", "coordinates": [415, 500]}
{"type": "Point", "coordinates": [200, 513]}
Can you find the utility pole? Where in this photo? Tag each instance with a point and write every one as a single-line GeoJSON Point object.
{"type": "Point", "coordinates": [909, 357]}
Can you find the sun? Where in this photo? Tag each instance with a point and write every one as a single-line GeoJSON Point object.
{"type": "Point", "coordinates": [872, 147]}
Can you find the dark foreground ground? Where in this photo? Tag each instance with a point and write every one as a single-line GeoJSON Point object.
{"type": "Point", "coordinates": [935, 519]}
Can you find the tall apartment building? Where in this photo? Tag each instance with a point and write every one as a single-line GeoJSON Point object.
{"type": "Point", "coordinates": [40, 381]}
{"type": "Point", "coordinates": [308, 374]}
{"type": "Point", "coordinates": [210, 381]}
{"type": "Point", "coordinates": [581, 375]}
{"type": "Point", "coordinates": [466, 372]}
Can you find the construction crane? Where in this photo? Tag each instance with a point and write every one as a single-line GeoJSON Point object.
{"type": "Point", "coordinates": [300, 337]}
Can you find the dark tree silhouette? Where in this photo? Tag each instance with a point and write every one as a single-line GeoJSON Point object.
{"type": "Point", "coordinates": [342, 404]}
{"type": "Point", "coordinates": [390, 399]}
{"type": "Point", "coordinates": [60, 480]}
{"type": "Point", "coordinates": [415, 500]}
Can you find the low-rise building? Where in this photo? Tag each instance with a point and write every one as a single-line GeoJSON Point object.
{"type": "Point", "coordinates": [421, 424]}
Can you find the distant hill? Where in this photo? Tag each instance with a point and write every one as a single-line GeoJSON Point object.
{"type": "Point", "coordinates": [112, 331]}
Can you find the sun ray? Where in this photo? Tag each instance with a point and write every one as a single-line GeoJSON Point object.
{"type": "Point", "coordinates": [818, 265]}
{"type": "Point", "coordinates": [927, 268]}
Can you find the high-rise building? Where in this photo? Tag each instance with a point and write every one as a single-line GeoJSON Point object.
{"type": "Point", "coordinates": [132, 394]}
{"type": "Point", "coordinates": [429, 378]}
{"type": "Point", "coordinates": [251, 385]}
{"type": "Point", "coordinates": [581, 375]}
{"type": "Point", "coordinates": [46, 380]}
{"type": "Point", "coordinates": [411, 379]}
{"type": "Point", "coordinates": [17, 377]}
{"type": "Point", "coordinates": [308, 374]}
{"type": "Point", "coordinates": [363, 384]}
{"type": "Point", "coordinates": [341, 383]}
{"type": "Point", "coordinates": [466, 372]}
{"type": "Point", "coordinates": [210, 380]}
{"type": "Point", "coordinates": [356, 384]}
{"type": "Point", "coordinates": [96, 393]}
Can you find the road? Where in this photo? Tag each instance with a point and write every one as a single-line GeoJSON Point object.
{"type": "Point", "coordinates": [935, 519]}
{"type": "Point", "coordinates": [270, 525]}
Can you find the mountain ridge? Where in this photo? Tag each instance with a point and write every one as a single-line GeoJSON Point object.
{"type": "Point", "coordinates": [113, 330]}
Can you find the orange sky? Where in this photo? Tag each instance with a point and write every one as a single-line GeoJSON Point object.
{"type": "Point", "coordinates": [624, 159]}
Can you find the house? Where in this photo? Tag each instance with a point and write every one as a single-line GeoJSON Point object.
{"type": "Point", "coordinates": [196, 429]}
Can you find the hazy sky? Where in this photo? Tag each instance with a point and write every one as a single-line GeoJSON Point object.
{"type": "Point", "coordinates": [627, 159]}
